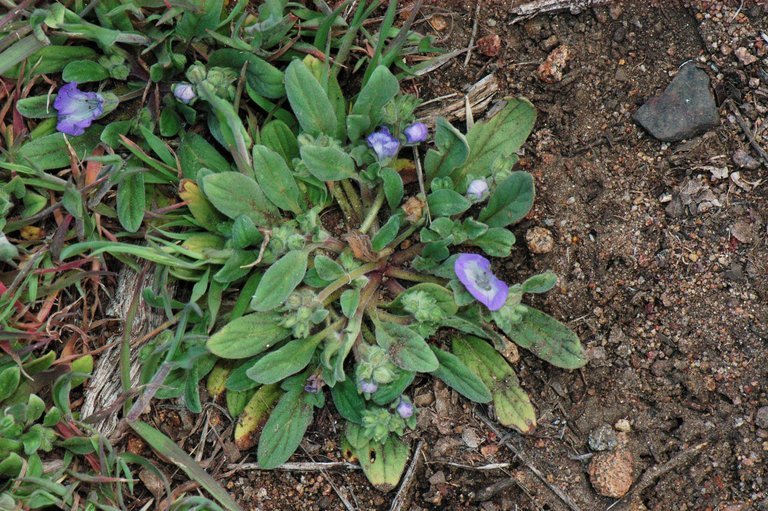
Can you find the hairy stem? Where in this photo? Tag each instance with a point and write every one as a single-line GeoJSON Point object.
{"type": "Point", "coordinates": [407, 254]}
{"type": "Point", "coordinates": [346, 279]}
{"type": "Point", "coordinates": [341, 199]}
{"type": "Point", "coordinates": [353, 197]}
{"type": "Point", "coordinates": [410, 276]}
{"type": "Point", "coordinates": [373, 212]}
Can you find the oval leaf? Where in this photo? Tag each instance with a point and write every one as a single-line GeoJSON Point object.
{"type": "Point", "coordinates": [308, 100]}
{"type": "Point", "coordinates": [235, 194]}
{"type": "Point", "coordinates": [511, 201]}
{"type": "Point", "coordinates": [247, 336]}
{"type": "Point", "coordinates": [459, 377]}
{"type": "Point", "coordinates": [407, 349]}
{"type": "Point", "coordinates": [547, 338]}
{"type": "Point", "coordinates": [280, 280]}
{"type": "Point", "coordinates": [284, 430]}
{"type": "Point", "coordinates": [276, 179]}
{"type": "Point", "coordinates": [288, 360]}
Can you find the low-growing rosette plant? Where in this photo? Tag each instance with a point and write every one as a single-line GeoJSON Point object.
{"type": "Point", "coordinates": [361, 253]}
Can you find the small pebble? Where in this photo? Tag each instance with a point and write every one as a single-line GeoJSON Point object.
{"type": "Point", "coordinates": [744, 160]}
{"type": "Point", "coordinates": [744, 56]}
{"type": "Point", "coordinates": [603, 438]}
{"type": "Point", "coordinates": [761, 419]}
{"type": "Point", "coordinates": [539, 240]}
{"type": "Point", "coordinates": [623, 426]}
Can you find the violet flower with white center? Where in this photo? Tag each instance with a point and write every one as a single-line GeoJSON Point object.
{"type": "Point", "coordinates": [416, 133]}
{"type": "Point", "coordinates": [184, 92]}
{"type": "Point", "coordinates": [404, 408]}
{"type": "Point", "coordinates": [477, 189]}
{"type": "Point", "coordinates": [368, 386]}
{"type": "Point", "coordinates": [474, 271]}
{"type": "Point", "coordinates": [383, 144]}
{"type": "Point", "coordinates": [76, 109]}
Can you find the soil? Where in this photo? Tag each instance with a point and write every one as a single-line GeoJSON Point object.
{"type": "Point", "coordinates": [661, 253]}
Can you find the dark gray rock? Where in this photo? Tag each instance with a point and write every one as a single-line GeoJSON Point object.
{"type": "Point", "coordinates": [685, 109]}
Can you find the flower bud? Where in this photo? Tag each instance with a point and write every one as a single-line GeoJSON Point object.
{"type": "Point", "coordinates": [184, 92]}
{"type": "Point", "coordinates": [416, 133]}
{"type": "Point", "coordinates": [383, 144]}
{"type": "Point", "coordinates": [368, 386]}
{"type": "Point", "coordinates": [477, 189]}
{"type": "Point", "coordinates": [405, 408]}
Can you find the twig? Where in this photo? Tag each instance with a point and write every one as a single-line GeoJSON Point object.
{"type": "Point", "coordinates": [747, 132]}
{"type": "Point", "coordinates": [403, 494]}
{"type": "Point", "coordinates": [568, 501]}
{"type": "Point", "coordinates": [652, 474]}
{"type": "Point", "coordinates": [474, 33]}
{"type": "Point", "coordinates": [299, 466]}
{"type": "Point", "coordinates": [420, 174]}
{"type": "Point", "coordinates": [538, 6]}
{"type": "Point", "coordinates": [481, 468]}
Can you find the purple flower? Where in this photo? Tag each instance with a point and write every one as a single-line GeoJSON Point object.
{"type": "Point", "coordinates": [383, 144]}
{"type": "Point", "coordinates": [477, 189]}
{"type": "Point", "coordinates": [368, 386]}
{"type": "Point", "coordinates": [404, 408]}
{"type": "Point", "coordinates": [416, 132]}
{"type": "Point", "coordinates": [474, 271]}
{"type": "Point", "coordinates": [313, 384]}
{"type": "Point", "coordinates": [76, 109]}
{"type": "Point", "coordinates": [184, 92]}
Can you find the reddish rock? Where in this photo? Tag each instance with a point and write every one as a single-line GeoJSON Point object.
{"type": "Point", "coordinates": [490, 45]}
{"type": "Point", "coordinates": [611, 473]}
{"type": "Point", "coordinates": [552, 69]}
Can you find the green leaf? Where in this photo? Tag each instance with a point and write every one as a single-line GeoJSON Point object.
{"type": "Point", "coordinates": [280, 280]}
{"type": "Point", "coordinates": [349, 403]}
{"type": "Point", "coordinates": [540, 283]}
{"type": "Point", "coordinates": [52, 59]}
{"type": "Point", "coordinates": [387, 393]}
{"type": "Point", "coordinates": [290, 359]}
{"type": "Point", "coordinates": [381, 87]}
{"type": "Point", "coordinates": [51, 151]}
{"type": "Point", "coordinates": [452, 151]}
{"type": "Point", "coordinates": [169, 123]}
{"type": "Point", "coordinates": [277, 136]}
{"type": "Point", "coordinates": [447, 203]}
{"type": "Point", "coordinates": [349, 301]}
{"type": "Point", "coordinates": [9, 380]}
{"type": "Point", "coordinates": [309, 101]}
{"type": "Point", "coordinates": [383, 464]}
{"type": "Point", "coordinates": [172, 452]}
{"type": "Point", "coordinates": [510, 202]}
{"type": "Point", "coordinates": [236, 194]}
{"type": "Point", "coordinates": [247, 336]}
{"type": "Point", "coordinates": [197, 21]}
{"type": "Point", "coordinates": [393, 187]}
{"type": "Point", "coordinates": [264, 78]}
{"type": "Point", "coordinates": [84, 71]}
{"type": "Point", "coordinates": [276, 179]}
{"type": "Point", "coordinates": [496, 242]}
{"type": "Point", "coordinates": [37, 107]}
{"type": "Point", "coordinates": [442, 296]}
{"type": "Point", "coordinates": [459, 377]}
{"type": "Point", "coordinates": [11, 466]}
{"type": "Point", "coordinates": [327, 163]}
{"type": "Point", "coordinates": [512, 405]}
{"type": "Point", "coordinates": [547, 338]}
{"type": "Point", "coordinates": [284, 430]}
{"type": "Point", "coordinates": [131, 198]}
{"type": "Point", "coordinates": [407, 349]}
{"type": "Point", "coordinates": [386, 234]}
{"type": "Point", "coordinates": [327, 268]}
{"type": "Point", "coordinates": [497, 139]}
{"type": "Point", "coordinates": [196, 153]}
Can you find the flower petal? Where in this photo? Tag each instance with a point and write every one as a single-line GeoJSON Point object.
{"type": "Point", "coordinates": [474, 272]}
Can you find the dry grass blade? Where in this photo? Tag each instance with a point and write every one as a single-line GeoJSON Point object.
{"type": "Point", "coordinates": [168, 449]}
{"type": "Point", "coordinates": [478, 96]}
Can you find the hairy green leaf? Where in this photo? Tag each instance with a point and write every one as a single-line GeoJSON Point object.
{"type": "Point", "coordinates": [247, 336]}
{"type": "Point", "coordinates": [459, 377]}
{"type": "Point", "coordinates": [309, 101]}
{"type": "Point", "coordinates": [284, 430]}
{"type": "Point", "coordinates": [280, 280]}
{"type": "Point", "coordinates": [511, 201]}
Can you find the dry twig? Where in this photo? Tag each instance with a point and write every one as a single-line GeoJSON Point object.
{"type": "Point", "coordinates": [523, 457]}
